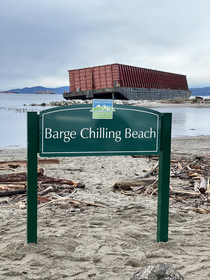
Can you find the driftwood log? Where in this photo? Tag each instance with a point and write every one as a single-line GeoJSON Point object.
{"type": "Point", "coordinates": [24, 162]}
{"type": "Point", "coordinates": [189, 193]}
{"type": "Point", "coordinates": [146, 174]}
{"type": "Point", "coordinates": [203, 185]}
{"type": "Point", "coordinates": [18, 177]}
{"type": "Point", "coordinates": [74, 201]}
{"type": "Point", "coordinates": [12, 186]}
{"type": "Point", "coordinates": [127, 184]}
{"type": "Point", "coordinates": [208, 188]}
{"type": "Point", "coordinates": [201, 210]}
{"type": "Point", "coordinates": [12, 192]}
{"type": "Point", "coordinates": [22, 177]}
{"type": "Point", "coordinates": [16, 183]}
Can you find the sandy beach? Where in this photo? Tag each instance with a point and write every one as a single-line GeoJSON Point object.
{"type": "Point", "coordinates": [186, 104]}
{"type": "Point", "coordinates": [103, 243]}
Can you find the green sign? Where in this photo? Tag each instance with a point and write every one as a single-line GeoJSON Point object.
{"type": "Point", "coordinates": [99, 129]}
{"type": "Point", "coordinates": [75, 131]}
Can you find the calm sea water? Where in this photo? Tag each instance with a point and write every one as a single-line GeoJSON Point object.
{"type": "Point", "coordinates": [13, 118]}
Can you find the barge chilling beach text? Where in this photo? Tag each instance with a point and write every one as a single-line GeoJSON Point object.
{"type": "Point", "coordinates": [99, 133]}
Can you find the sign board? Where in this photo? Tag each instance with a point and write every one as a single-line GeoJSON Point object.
{"type": "Point", "coordinates": [99, 129]}
{"type": "Point", "coordinates": [82, 130]}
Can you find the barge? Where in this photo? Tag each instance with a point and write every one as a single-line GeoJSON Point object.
{"type": "Point", "coordinates": [9, 92]}
{"type": "Point", "coordinates": [118, 81]}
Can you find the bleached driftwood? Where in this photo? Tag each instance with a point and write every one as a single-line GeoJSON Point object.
{"type": "Point", "coordinates": [201, 210]}
{"type": "Point", "coordinates": [190, 193]}
{"type": "Point", "coordinates": [24, 162]}
{"type": "Point", "coordinates": [127, 184]}
{"type": "Point", "coordinates": [73, 201]}
{"type": "Point", "coordinates": [203, 185]}
{"type": "Point", "coordinates": [146, 174]}
{"type": "Point", "coordinates": [12, 186]}
{"type": "Point", "coordinates": [208, 188]}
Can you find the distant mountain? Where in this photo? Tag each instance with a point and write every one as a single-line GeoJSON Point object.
{"type": "Point", "coordinates": [32, 90]}
{"type": "Point", "coordinates": [59, 90]}
{"type": "Point", "coordinates": [200, 91]}
{"type": "Point", "coordinates": [99, 108]}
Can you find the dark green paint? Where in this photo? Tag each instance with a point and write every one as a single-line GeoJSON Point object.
{"type": "Point", "coordinates": [164, 178]}
{"type": "Point", "coordinates": [32, 149]}
{"type": "Point", "coordinates": [78, 117]}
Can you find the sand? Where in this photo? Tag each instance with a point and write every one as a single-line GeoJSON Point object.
{"type": "Point", "coordinates": [103, 243]}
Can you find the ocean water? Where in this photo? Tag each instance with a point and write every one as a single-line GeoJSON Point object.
{"type": "Point", "coordinates": [13, 118]}
{"type": "Point", "coordinates": [188, 122]}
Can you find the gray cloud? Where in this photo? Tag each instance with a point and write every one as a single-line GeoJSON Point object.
{"type": "Point", "coordinates": [40, 40]}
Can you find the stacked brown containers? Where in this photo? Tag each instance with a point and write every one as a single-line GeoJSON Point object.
{"type": "Point", "coordinates": [118, 75]}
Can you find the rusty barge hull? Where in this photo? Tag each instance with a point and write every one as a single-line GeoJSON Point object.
{"type": "Point", "coordinates": [128, 94]}
{"type": "Point", "coordinates": [125, 82]}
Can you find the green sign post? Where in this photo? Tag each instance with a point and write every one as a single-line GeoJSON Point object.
{"type": "Point", "coordinates": [100, 129]}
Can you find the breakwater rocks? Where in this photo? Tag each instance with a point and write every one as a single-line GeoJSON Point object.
{"type": "Point", "coordinates": [79, 101]}
{"type": "Point", "coordinates": [142, 103]}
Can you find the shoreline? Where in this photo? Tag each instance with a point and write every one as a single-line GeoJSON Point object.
{"type": "Point", "coordinates": [140, 103]}
{"type": "Point", "coordinates": [175, 105]}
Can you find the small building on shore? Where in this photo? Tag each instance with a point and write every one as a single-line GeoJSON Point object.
{"type": "Point", "coordinates": [118, 81]}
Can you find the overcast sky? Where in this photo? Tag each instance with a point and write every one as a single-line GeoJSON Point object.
{"type": "Point", "coordinates": [41, 39]}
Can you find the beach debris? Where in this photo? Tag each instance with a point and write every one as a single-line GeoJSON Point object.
{"type": "Point", "coordinates": [72, 200]}
{"type": "Point", "coordinates": [9, 192]}
{"type": "Point", "coordinates": [201, 210]}
{"type": "Point", "coordinates": [21, 205]}
{"type": "Point", "coordinates": [21, 177]}
{"type": "Point", "coordinates": [208, 188]}
{"type": "Point", "coordinates": [203, 185]}
{"type": "Point", "coordinates": [157, 271]}
{"type": "Point", "coordinates": [198, 99]}
{"type": "Point", "coordinates": [130, 184]}
{"type": "Point", "coordinates": [193, 170]}
{"type": "Point", "coordinates": [146, 174]}
{"type": "Point", "coordinates": [50, 191]}
{"type": "Point", "coordinates": [14, 187]}
{"type": "Point", "coordinates": [189, 193]}
{"type": "Point", "coordinates": [17, 163]}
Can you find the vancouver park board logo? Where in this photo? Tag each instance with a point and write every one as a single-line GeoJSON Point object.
{"type": "Point", "coordinates": [102, 109]}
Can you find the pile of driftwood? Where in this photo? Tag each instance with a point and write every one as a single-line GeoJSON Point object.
{"type": "Point", "coordinates": [194, 172]}
{"type": "Point", "coordinates": [13, 187]}
{"type": "Point", "coordinates": [191, 185]}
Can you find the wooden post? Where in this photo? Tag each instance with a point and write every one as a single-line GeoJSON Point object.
{"type": "Point", "coordinates": [164, 178]}
{"type": "Point", "coordinates": [32, 149]}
